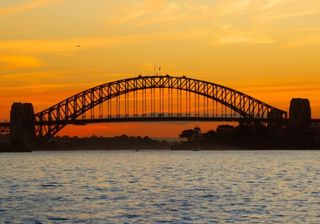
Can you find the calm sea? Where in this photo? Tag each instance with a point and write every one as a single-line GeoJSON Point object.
{"type": "Point", "coordinates": [160, 187]}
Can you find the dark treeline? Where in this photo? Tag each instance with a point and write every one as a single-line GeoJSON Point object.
{"type": "Point", "coordinates": [122, 142]}
{"type": "Point", "coordinates": [250, 137]}
{"type": "Point", "coordinates": [241, 137]}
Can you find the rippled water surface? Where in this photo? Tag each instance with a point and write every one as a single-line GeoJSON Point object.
{"type": "Point", "coordinates": [160, 187]}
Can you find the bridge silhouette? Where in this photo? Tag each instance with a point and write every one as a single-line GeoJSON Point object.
{"type": "Point", "coordinates": [149, 99]}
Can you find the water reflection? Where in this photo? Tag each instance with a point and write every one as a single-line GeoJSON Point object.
{"type": "Point", "coordinates": [161, 187]}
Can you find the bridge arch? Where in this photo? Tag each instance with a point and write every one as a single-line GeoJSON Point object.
{"type": "Point", "coordinates": [50, 121]}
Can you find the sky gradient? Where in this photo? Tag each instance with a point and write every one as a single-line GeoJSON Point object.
{"type": "Point", "coordinates": [269, 49]}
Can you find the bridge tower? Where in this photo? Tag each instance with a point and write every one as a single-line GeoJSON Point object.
{"type": "Point", "coordinates": [22, 125]}
{"type": "Point", "coordinates": [299, 113]}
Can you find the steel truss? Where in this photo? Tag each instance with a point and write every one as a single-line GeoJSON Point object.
{"type": "Point", "coordinates": [50, 121]}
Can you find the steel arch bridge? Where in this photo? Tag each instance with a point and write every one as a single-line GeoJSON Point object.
{"type": "Point", "coordinates": [155, 98]}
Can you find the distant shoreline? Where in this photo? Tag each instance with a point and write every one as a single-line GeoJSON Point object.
{"type": "Point", "coordinates": [131, 143]}
{"type": "Point", "coordinates": [151, 149]}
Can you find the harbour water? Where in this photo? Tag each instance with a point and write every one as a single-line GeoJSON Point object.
{"type": "Point", "coordinates": [160, 187]}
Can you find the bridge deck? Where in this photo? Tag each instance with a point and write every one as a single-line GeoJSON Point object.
{"type": "Point", "coordinates": [149, 119]}
{"type": "Point", "coordinates": [4, 126]}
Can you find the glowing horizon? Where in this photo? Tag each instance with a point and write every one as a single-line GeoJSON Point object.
{"type": "Point", "coordinates": [52, 49]}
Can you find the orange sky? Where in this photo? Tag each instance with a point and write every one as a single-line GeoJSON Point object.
{"type": "Point", "coordinates": [269, 49]}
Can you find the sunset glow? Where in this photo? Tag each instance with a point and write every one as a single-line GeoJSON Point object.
{"type": "Point", "coordinates": [52, 49]}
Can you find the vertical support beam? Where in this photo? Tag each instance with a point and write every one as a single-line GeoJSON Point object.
{"type": "Point", "coordinates": [22, 125]}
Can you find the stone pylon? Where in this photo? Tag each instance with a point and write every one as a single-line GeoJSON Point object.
{"type": "Point", "coordinates": [22, 125]}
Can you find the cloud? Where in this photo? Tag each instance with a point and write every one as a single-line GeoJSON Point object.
{"type": "Point", "coordinates": [44, 87]}
{"type": "Point", "coordinates": [43, 46]}
{"type": "Point", "coordinates": [18, 61]}
{"type": "Point", "coordinates": [252, 21]}
{"type": "Point", "coordinates": [304, 41]}
{"type": "Point", "coordinates": [226, 35]}
{"type": "Point", "coordinates": [157, 12]}
{"type": "Point", "coordinates": [239, 38]}
{"type": "Point", "coordinates": [26, 6]}
{"type": "Point", "coordinates": [284, 10]}
{"type": "Point", "coordinates": [136, 11]}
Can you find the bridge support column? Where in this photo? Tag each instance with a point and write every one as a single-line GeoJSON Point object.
{"type": "Point", "coordinates": [22, 125]}
{"type": "Point", "coordinates": [299, 113]}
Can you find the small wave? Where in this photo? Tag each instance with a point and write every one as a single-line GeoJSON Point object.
{"type": "Point", "coordinates": [132, 216]}
{"type": "Point", "coordinates": [57, 219]}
